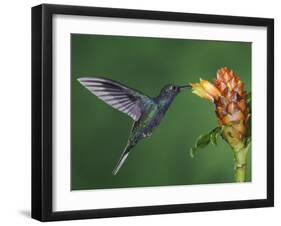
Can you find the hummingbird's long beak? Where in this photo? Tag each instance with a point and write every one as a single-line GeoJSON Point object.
{"type": "Point", "coordinates": [184, 87]}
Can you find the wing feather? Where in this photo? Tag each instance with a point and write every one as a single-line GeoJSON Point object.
{"type": "Point", "coordinates": [118, 96]}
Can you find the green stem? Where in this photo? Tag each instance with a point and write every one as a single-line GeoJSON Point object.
{"type": "Point", "coordinates": [240, 164]}
{"type": "Point", "coordinates": [240, 151]}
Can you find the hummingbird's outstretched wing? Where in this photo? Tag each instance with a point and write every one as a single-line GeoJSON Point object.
{"type": "Point", "coordinates": [118, 96]}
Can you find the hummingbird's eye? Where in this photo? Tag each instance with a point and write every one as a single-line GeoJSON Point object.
{"type": "Point", "coordinates": [173, 88]}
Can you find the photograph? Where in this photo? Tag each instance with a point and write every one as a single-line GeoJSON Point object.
{"type": "Point", "coordinates": [149, 111]}
{"type": "Point", "coordinates": [140, 112]}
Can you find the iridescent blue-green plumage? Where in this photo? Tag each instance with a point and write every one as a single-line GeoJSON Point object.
{"type": "Point", "coordinates": [146, 112]}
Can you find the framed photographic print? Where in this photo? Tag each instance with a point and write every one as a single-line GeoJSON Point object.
{"type": "Point", "coordinates": [146, 112]}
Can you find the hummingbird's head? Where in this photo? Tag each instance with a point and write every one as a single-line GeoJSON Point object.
{"type": "Point", "coordinates": [172, 90]}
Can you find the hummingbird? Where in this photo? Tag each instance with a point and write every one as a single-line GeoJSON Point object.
{"type": "Point", "coordinates": [146, 112]}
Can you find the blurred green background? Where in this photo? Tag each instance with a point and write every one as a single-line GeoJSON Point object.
{"type": "Point", "coordinates": [99, 133]}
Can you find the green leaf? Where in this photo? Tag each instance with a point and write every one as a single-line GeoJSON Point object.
{"type": "Point", "coordinates": [248, 140]}
{"type": "Point", "coordinates": [213, 139]}
{"type": "Point", "coordinates": [249, 97]}
{"type": "Point", "coordinates": [204, 140]}
{"type": "Point", "coordinates": [214, 134]}
{"type": "Point", "coordinates": [192, 152]}
{"type": "Point", "coordinates": [249, 122]}
{"type": "Point", "coordinates": [249, 101]}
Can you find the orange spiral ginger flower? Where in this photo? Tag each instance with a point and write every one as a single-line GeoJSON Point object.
{"type": "Point", "coordinates": [228, 95]}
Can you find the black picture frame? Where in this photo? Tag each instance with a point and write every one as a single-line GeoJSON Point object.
{"type": "Point", "coordinates": [42, 111]}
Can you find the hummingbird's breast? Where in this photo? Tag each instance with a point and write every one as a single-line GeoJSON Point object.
{"type": "Point", "coordinates": [162, 108]}
{"type": "Point", "coordinates": [150, 119]}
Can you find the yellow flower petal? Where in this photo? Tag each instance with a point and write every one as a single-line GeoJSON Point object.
{"type": "Point", "coordinates": [199, 91]}
{"type": "Point", "coordinates": [210, 88]}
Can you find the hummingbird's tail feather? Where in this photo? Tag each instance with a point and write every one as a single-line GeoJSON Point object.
{"type": "Point", "coordinates": [122, 158]}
